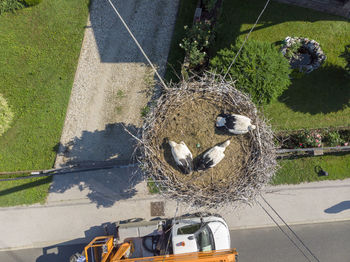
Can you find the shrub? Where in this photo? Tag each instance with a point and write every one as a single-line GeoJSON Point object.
{"type": "Point", "coordinates": [209, 4]}
{"type": "Point", "coordinates": [32, 2]}
{"type": "Point", "coordinates": [346, 56]}
{"type": "Point", "coordinates": [197, 39]}
{"type": "Point", "coordinates": [334, 139]}
{"type": "Point", "coordinates": [310, 139]}
{"type": "Point", "coordinates": [260, 70]}
{"type": "Point", "coordinates": [6, 115]}
{"type": "Point", "coordinates": [10, 5]}
{"type": "Point", "coordinates": [293, 50]}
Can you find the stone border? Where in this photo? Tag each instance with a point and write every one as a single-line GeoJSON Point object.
{"type": "Point", "coordinates": [312, 46]}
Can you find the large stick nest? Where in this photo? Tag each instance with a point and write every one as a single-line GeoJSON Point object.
{"type": "Point", "coordinates": [187, 112]}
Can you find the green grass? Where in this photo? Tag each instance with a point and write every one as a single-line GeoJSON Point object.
{"type": "Point", "coordinates": [176, 54]}
{"type": "Point", "coordinates": [24, 192]}
{"type": "Point", "coordinates": [303, 169]}
{"type": "Point", "coordinates": [320, 99]}
{"type": "Point", "coordinates": [39, 50]}
{"type": "Point", "coordinates": [152, 188]}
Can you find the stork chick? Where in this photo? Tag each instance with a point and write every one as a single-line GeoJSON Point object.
{"type": "Point", "coordinates": [182, 156]}
{"type": "Point", "coordinates": [235, 124]}
{"type": "Point", "coordinates": [213, 156]}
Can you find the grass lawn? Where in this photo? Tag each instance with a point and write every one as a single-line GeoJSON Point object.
{"type": "Point", "coordinates": [39, 50]}
{"type": "Point", "coordinates": [177, 54]}
{"type": "Point", "coordinates": [24, 192]}
{"type": "Point", "coordinates": [303, 169]}
{"type": "Point", "coordinates": [320, 99]}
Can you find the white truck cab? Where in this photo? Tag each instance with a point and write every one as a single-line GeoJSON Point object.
{"type": "Point", "coordinates": [199, 234]}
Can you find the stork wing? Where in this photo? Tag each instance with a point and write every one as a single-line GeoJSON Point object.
{"type": "Point", "coordinates": [186, 165]}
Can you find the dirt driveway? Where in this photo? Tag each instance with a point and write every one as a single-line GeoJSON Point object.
{"type": "Point", "coordinates": [111, 83]}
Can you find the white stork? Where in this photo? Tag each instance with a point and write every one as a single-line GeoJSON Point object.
{"type": "Point", "coordinates": [235, 124]}
{"type": "Point", "coordinates": [213, 156]}
{"type": "Point", "coordinates": [182, 156]}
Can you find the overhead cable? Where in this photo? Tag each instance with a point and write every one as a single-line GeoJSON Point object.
{"type": "Point", "coordinates": [137, 43]}
{"type": "Point", "coordinates": [245, 40]}
{"type": "Point", "coordinates": [284, 222]}
{"type": "Point", "coordinates": [291, 240]}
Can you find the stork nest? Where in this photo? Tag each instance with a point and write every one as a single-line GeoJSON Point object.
{"type": "Point", "coordinates": [187, 112]}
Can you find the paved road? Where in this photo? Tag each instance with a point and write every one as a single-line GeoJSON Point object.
{"type": "Point", "coordinates": [328, 241]}
{"type": "Point", "coordinates": [47, 254]}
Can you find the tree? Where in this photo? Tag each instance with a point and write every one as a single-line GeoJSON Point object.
{"type": "Point", "coordinates": [260, 69]}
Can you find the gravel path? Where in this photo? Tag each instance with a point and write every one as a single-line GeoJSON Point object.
{"type": "Point", "coordinates": [110, 88]}
{"type": "Point", "coordinates": [112, 79]}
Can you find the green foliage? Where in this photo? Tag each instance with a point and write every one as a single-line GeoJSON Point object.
{"type": "Point", "coordinates": [10, 5]}
{"type": "Point", "coordinates": [334, 139]}
{"type": "Point", "coordinates": [152, 187]}
{"type": "Point", "coordinates": [346, 56]}
{"type": "Point", "coordinates": [32, 2]}
{"type": "Point", "coordinates": [310, 139]}
{"type": "Point", "coordinates": [293, 49]}
{"type": "Point", "coordinates": [197, 40]}
{"type": "Point", "coordinates": [186, 9]}
{"type": "Point", "coordinates": [209, 4]}
{"type": "Point", "coordinates": [260, 69]}
{"type": "Point", "coordinates": [145, 111]}
{"type": "Point", "coordinates": [6, 115]}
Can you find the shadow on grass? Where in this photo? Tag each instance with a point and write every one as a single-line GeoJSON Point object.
{"type": "Point", "coordinates": [310, 155]}
{"type": "Point", "coordinates": [25, 186]}
{"type": "Point", "coordinates": [236, 13]}
{"type": "Point", "coordinates": [324, 90]}
{"type": "Point", "coordinates": [112, 146]}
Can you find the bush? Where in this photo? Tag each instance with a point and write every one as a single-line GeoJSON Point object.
{"type": "Point", "coordinates": [197, 40]}
{"type": "Point", "coordinates": [260, 70]}
{"type": "Point", "coordinates": [32, 2]}
{"type": "Point", "coordinates": [346, 56]}
{"type": "Point", "coordinates": [209, 4]}
{"type": "Point", "coordinates": [6, 115]}
{"type": "Point", "coordinates": [10, 5]}
{"type": "Point", "coordinates": [293, 50]}
{"type": "Point", "coordinates": [334, 139]}
{"type": "Point", "coordinates": [310, 139]}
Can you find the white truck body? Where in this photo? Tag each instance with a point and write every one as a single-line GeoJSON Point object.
{"type": "Point", "coordinates": [187, 234]}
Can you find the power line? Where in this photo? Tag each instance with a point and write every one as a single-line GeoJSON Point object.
{"type": "Point", "coordinates": [284, 222]}
{"type": "Point", "coordinates": [60, 171]}
{"type": "Point", "coordinates": [138, 45]}
{"type": "Point", "coordinates": [245, 40]}
{"type": "Point", "coordinates": [173, 224]}
{"type": "Point", "coordinates": [291, 240]}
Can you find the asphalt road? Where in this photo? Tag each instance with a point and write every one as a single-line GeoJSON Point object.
{"type": "Point", "coordinates": [328, 242]}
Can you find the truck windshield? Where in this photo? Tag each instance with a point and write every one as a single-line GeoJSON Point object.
{"type": "Point", "coordinates": [190, 229]}
{"type": "Point", "coordinates": [202, 234]}
{"type": "Point", "coordinates": [205, 240]}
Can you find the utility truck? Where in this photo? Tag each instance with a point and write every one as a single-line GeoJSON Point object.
{"type": "Point", "coordinates": [191, 239]}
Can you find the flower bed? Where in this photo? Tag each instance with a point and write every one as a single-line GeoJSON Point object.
{"type": "Point", "coordinates": [303, 54]}
{"type": "Point", "coordinates": [199, 37]}
{"type": "Point", "coordinates": [313, 138]}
